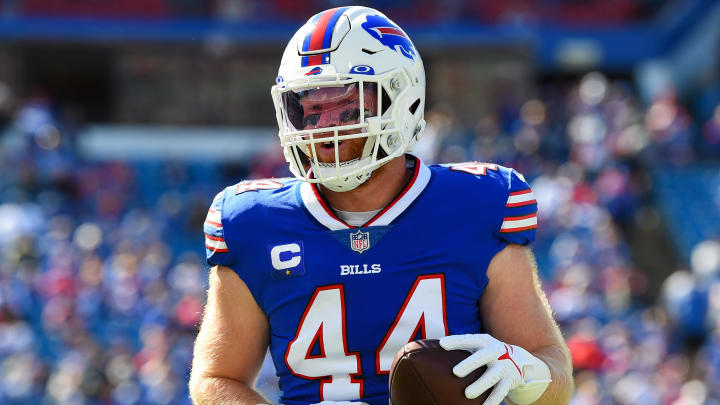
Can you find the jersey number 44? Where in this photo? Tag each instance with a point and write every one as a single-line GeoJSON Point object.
{"type": "Point", "coordinates": [323, 325]}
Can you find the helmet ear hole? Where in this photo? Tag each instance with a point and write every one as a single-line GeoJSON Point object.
{"type": "Point", "coordinates": [414, 106]}
{"type": "Point", "coordinates": [386, 101]}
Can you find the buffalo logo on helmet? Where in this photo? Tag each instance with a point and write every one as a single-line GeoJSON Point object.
{"type": "Point", "coordinates": [314, 71]}
{"type": "Point", "coordinates": [389, 35]}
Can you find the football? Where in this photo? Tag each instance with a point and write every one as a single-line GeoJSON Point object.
{"type": "Point", "coordinates": [421, 374]}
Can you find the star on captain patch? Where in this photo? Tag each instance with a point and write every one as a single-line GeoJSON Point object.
{"type": "Point", "coordinates": [360, 241]}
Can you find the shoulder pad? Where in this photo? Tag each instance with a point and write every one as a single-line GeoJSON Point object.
{"type": "Point", "coordinates": [254, 185]}
{"type": "Point", "coordinates": [519, 221]}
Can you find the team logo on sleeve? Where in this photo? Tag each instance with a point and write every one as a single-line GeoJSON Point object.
{"type": "Point", "coordinates": [360, 241]}
{"type": "Point", "coordinates": [389, 35]}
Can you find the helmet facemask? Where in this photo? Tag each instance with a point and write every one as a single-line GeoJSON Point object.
{"type": "Point", "coordinates": [321, 121]}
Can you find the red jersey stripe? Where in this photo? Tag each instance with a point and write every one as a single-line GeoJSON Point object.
{"type": "Point", "coordinates": [520, 204]}
{"type": "Point", "coordinates": [520, 217]}
{"type": "Point", "coordinates": [216, 238]}
{"type": "Point", "coordinates": [524, 228]}
{"type": "Point", "coordinates": [218, 250]}
{"type": "Point", "coordinates": [212, 223]}
{"type": "Point", "coordinates": [521, 192]}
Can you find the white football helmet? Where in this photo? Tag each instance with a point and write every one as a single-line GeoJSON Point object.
{"type": "Point", "coordinates": [348, 73]}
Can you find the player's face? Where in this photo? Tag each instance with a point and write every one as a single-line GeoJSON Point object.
{"type": "Point", "coordinates": [330, 107]}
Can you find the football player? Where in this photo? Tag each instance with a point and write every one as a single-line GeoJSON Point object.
{"type": "Point", "coordinates": [369, 248]}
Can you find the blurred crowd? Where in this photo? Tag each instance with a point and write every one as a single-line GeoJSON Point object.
{"type": "Point", "coordinates": [600, 12]}
{"type": "Point", "coordinates": [102, 273]}
{"type": "Point", "coordinates": [102, 276]}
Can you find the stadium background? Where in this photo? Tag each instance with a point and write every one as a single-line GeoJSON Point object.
{"type": "Point", "coordinates": [120, 120]}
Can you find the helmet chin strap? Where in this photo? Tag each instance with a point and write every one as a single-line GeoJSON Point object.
{"type": "Point", "coordinates": [343, 183]}
{"type": "Point", "coordinates": [347, 183]}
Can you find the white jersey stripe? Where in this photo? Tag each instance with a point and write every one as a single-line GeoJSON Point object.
{"type": "Point", "coordinates": [422, 180]}
{"type": "Point", "coordinates": [511, 224]}
{"type": "Point", "coordinates": [214, 216]}
{"type": "Point", "coordinates": [215, 244]}
{"type": "Point", "coordinates": [520, 199]}
{"type": "Point", "coordinates": [316, 209]}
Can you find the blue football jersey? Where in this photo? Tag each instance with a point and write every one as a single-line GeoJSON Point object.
{"type": "Point", "coordinates": [342, 300]}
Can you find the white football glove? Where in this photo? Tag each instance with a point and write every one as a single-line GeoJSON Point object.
{"type": "Point", "coordinates": [513, 371]}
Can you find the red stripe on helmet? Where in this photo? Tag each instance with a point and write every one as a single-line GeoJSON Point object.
{"type": "Point", "coordinates": [315, 60]}
{"type": "Point", "coordinates": [318, 33]}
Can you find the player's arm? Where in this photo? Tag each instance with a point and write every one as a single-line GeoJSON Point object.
{"type": "Point", "coordinates": [231, 344]}
{"type": "Point", "coordinates": [524, 351]}
{"type": "Point", "coordinates": [516, 311]}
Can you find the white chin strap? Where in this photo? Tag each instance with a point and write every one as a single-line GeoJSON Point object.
{"type": "Point", "coordinates": [342, 183]}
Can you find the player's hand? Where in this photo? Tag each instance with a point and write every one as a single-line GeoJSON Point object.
{"type": "Point", "coordinates": [512, 370]}
{"type": "Point", "coordinates": [340, 403]}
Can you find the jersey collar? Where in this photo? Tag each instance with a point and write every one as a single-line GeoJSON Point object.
{"type": "Point", "coordinates": [323, 214]}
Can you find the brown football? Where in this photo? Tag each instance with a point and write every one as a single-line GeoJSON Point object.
{"type": "Point", "coordinates": [421, 374]}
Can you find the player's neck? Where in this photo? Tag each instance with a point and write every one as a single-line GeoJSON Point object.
{"type": "Point", "coordinates": [378, 191]}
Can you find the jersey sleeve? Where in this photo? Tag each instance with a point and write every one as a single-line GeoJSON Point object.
{"type": "Point", "coordinates": [520, 213]}
{"type": "Point", "coordinates": [216, 249]}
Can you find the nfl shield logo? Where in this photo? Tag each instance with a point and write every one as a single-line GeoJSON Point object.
{"type": "Point", "coordinates": [360, 241]}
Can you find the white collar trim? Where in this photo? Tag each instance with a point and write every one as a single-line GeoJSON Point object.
{"type": "Point", "coordinates": [326, 217]}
